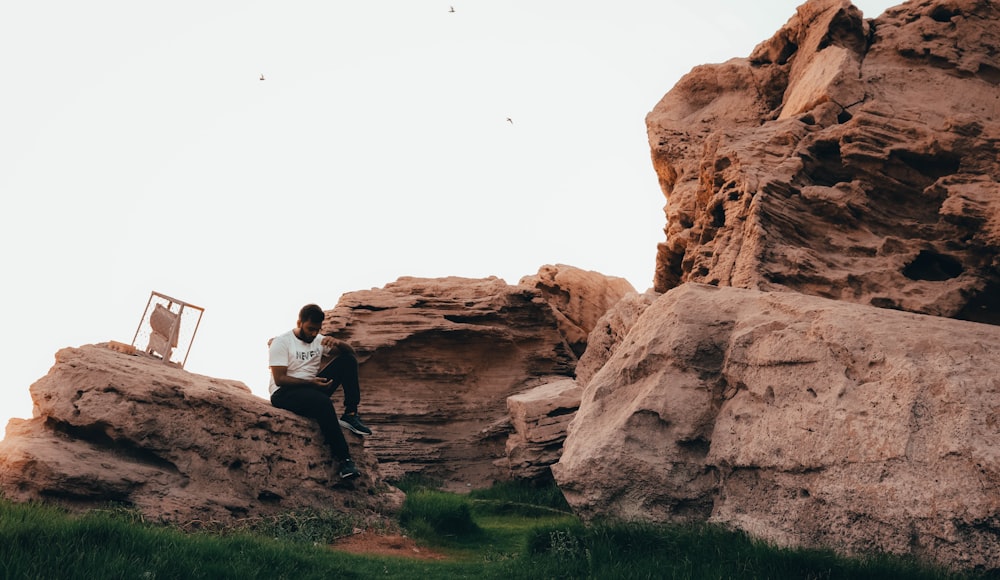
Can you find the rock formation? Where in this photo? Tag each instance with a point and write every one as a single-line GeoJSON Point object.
{"type": "Point", "coordinates": [609, 332]}
{"type": "Point", "coordinates": [180, 447]}
{"type": "Point", "coordinates": [540, 418]}
{"type": "Point", "coordinates": [801, 420]}
{"type": "Point", "coordinates": [816, 363]}
{"type": "Point", "coordinates": [439, 357]}
{"type": "Point", "coordinates": [846, 158]}
{"type": "Point", "coordinates": [578, 297]}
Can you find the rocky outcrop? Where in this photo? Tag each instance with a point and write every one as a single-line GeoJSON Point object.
{"type": "Point", "coordinates": [802, 420]}
{"type": "Point", "coordinates": [179, 447]}
{"type": "Point", "coordinates": [845, 158]}
{"type": "Point", "coordinates": [578, 297]}
{"type": "Point", "coordinates": [439, 357]}
{"type": "Point", "coordinates": [609, 332]}
{"type": "Point", "coordinates": [540, 418]}
{"type": "Point", "coordinates": [848, 159]}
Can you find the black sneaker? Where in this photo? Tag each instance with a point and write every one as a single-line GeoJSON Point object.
{"type": "Point", "coordinates": [353, 422]}
{"type": "Point", "coordinates": [348, 470]}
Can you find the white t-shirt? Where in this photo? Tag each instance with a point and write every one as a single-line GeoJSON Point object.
{"type": "Point", "coordinates": [301, 358]}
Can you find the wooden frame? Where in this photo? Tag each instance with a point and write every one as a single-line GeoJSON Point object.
{"type": "Point", "coordinates": [163, 325]}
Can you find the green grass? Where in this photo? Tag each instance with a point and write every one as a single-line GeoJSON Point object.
{"type": "Point", "coordinates": [44, 542]}
{"type": "Point", "coordinates": [439, 516]}
{"type": "Point", "coordinates": [508, 531]}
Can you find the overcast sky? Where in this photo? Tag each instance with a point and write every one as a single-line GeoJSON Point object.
{"type": "Point", "coordinates": [142, 152]}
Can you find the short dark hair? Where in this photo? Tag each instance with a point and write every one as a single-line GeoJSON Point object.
{"type": "Point", "coordinates": [311, 313]}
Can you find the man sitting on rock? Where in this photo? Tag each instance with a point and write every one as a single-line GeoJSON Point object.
{"type": "Point", "coordinates": [302, 384]}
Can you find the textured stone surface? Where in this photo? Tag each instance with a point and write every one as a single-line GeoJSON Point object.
{"type": "Point", "coordinates": [801, 420]}
{"type": "Point", "coordinates": [540, 418]}
{"type": "Point", "coordinates": [846, 158]}
{"type": "Point", "coordinates": [439, 357]}
{"type": "Point", "coordinates": [578, 297]}
{"type": "Point", "coordinates": [609, 331]}
{"type": "Point", "coordinates": [180, 447]}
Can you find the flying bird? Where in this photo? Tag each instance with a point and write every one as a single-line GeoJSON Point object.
{"type": "Point", "coordinates": [509, 120]}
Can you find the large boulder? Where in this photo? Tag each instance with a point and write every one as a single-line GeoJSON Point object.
{"type": "Point", "coordinates": [801, 420]}
{"type": "Point", "coordinates": [180, 447]}
{"type": "Point", "coordinates": [439, 357]}
{"type": "Point", "coordinates": [846, 158]}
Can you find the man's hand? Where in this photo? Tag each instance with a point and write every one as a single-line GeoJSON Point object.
{"type": "Point", "coordinates": [282, 379]}
{"type": "Point", "coordinates": [337, 346]}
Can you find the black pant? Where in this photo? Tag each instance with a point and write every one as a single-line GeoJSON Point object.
{"type": "Point", "coordinates": [343, 370]}
{"type": "Point", "coordinates": [316, 404]}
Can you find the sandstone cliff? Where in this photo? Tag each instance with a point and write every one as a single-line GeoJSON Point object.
{"type": "Point", "coordinates": [844, 172]}
{"type": "Point", "coordinates": [439, 358]}
{"type": "Point", "coordinates": [846, 158]}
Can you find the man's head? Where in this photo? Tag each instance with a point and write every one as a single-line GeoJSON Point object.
{"type": "Point", "coordinates": [310, 322]}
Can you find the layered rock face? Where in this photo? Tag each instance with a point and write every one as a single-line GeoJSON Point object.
{"type": "Point", "coordinates": [439, 358]}
{"type": "Point", "coordinates": [180, 447]}
{"type": "Point", "coordinates": [540, 418]}
{"type": "Point", "coordinates": [801, 420]}
{"type": "Point", "coordinates": [579, 299]}
{"type": "Point", "coordinates": [846, 158]}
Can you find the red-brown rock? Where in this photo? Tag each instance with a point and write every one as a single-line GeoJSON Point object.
{"type": "Point", "coordinates": [801, 420]}
{"type": "Point", "coordinates": [439, 357]}
{"type": "Point", "coordinates": [846, 158]}
{"type": "Point", "coordinates": [578, 297]}
{"type": "Point", "coordinates": [540, 417]}
{"type": "Point", "coordinates": [609, 332]}
{"type": "Point", "coordinates": [180, 447]}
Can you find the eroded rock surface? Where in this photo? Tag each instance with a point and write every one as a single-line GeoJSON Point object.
{"type": "Point", "coordinates": [180, 447]}
{"type": "Point", "coordinates": [609, 331]}
{"type": "Point", "coordinates": [801, 420]}
{"type": "Point", "coordinates": [439, 357]}
{"type": "Point", "coordinates": [540, 418]}
{"type": "Point", "coordinates": [846, 158]}
{"type": "Point", "coordinates": [578, 297]}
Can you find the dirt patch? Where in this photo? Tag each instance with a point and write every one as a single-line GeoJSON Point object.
{"type": "Point", "coordinates": [369, 542]}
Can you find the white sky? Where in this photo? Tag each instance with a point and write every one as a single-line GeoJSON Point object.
{"type": "Point", "coordinates": [140, 152]}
